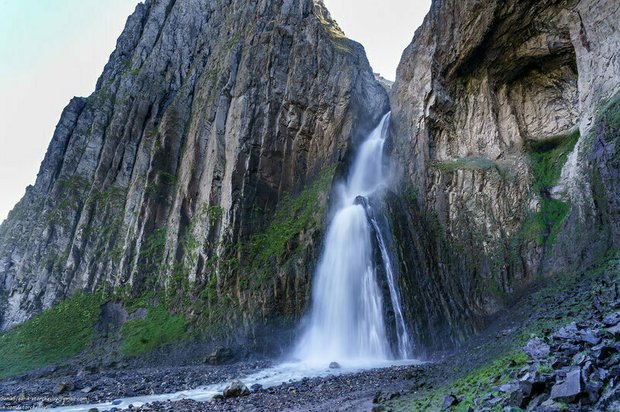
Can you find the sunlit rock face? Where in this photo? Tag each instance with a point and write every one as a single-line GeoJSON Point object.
{"type": "Point", "coordinates": [206, 115]}
{"type": "Point", "coordinates": [489, 100]}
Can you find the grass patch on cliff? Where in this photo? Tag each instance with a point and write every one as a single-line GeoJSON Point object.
{"type": "Point", "coordinates": [608, 113]}
{"type": "Point", "coordinates": [50, 337]}
{"type": "Point", "coordinates": [466, 163]}
{"type": "Point", "coordinates": [159, 328]}
{"type": "Point", "coordinates": [336, 35]}
{"type": "Point", "coordinates": [546, 161]}
{"type": "Point", "coordinates": [293, 215]}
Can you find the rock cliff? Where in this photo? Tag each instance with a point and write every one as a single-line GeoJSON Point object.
{"type": "Point", "coordinates": [505, 129]}
{"type": "Point", "coordinates": [197, 172]}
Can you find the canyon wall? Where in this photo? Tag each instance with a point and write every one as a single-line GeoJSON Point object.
{"type": "Point", "coordinates": [197, 173]}
{"type": "Point", "coordinates": [505, 128]}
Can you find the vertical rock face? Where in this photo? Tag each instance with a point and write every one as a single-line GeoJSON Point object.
{"type": "Point", "coordinates": [489, 101]}
{"type": "Point", "coordinates": [207, 115]}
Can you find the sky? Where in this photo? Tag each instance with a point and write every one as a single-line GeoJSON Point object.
{"type": "Point", "coordinates": [52, 50]}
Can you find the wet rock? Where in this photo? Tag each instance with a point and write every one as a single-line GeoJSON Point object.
{"type": "Point", "coordinates": [117, 402]}
{"type": "Point", "coordinates": [256, 387]}
{"type": "Point", "coordinates": [61, 388]}
{"type": "Point", "coordinates": [537, 349]}
{"type": "Point", "coordinates": [219, 356]}
{"type": "Point", "coordinates": [334, 365]}
{"type": "Point", "coordinates": [236, 389]}
{"type": "Point", "coordinates": [93, 410]}
{"type": "Point", "coordinates": [568, 390]}
{"type": "Point", "coordinates": [612, 319]}
{"type": "Point", "coordinates": [449, 401]}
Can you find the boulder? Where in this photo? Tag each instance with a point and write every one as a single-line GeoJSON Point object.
{"type": "Point", "coordinates": [614, 330]}
{"type": "Point", "coordinates": [334, 365]}
{"type": "Point", "coordinates": [236, 389]}
{"type": "Point", "coordinates": [593, 390]}
{"type": "Point", "coordinates": [568, 332]}
{"type": "Point", "coordinates": [87, 389]}
{"type": "Point", "coordinates": [590, 337]}
{"type": "Point", "coordinates": [570, 389]}
{"type": "Point", "coordinates": [537, 349]}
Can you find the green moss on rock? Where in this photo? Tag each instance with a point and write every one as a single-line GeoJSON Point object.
{"type": "Point", "coordinates": [52, 336]}
{"type": "Point", "coordinates": [159, 328]}
{"type": "Point", "coordinates": [293, 215]}
{"type": "Point", "coordinates": [547, 160]}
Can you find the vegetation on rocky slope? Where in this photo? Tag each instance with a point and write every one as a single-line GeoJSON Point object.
{"type": "Point", "coordinates": [478, 373]}
{"type": "Point", "coordinates": [547, 159]}
{"type": "Point", "coordinates": [158, 328]}
{"type": "Point", "coordinates": [54, 335]}
{"type": "Point", "coordinates": [294, 215]}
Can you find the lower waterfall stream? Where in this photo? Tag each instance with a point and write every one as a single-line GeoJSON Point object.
{"type": "Point", "coordinates": [347, 322]}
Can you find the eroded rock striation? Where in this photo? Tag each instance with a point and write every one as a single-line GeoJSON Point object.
{"type": "Point", "coordinates": [506, 130]}
{"type": "Point", "coordinates": [208, 115]}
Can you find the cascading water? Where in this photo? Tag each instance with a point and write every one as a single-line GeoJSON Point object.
{"type": "Point", "coordinates": [347, 322]}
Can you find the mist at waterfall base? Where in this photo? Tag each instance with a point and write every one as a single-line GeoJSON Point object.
{"type": "Point", "coordinates": [346, 323]}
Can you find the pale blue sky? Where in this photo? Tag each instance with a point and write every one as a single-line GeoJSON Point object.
{"type": "Point", "coordinates": [52, 50]}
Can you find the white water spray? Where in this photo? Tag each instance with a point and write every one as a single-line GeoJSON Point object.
{"type": "Point", "coordinates": [347, 323]}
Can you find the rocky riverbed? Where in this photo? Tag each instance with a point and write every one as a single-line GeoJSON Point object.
{"type": "Point", "coordinates": [556, 349]}
{"type": "Point", "coordinates": [348, 392]}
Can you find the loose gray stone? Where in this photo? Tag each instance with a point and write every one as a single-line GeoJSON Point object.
{"type": "Point", "coordinates": [536, 348]}
{"type": "Point", "coordinates": [568, 390]}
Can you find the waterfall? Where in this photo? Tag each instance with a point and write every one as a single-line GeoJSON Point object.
{"type": "Point", "coordinates": [347, 323]}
